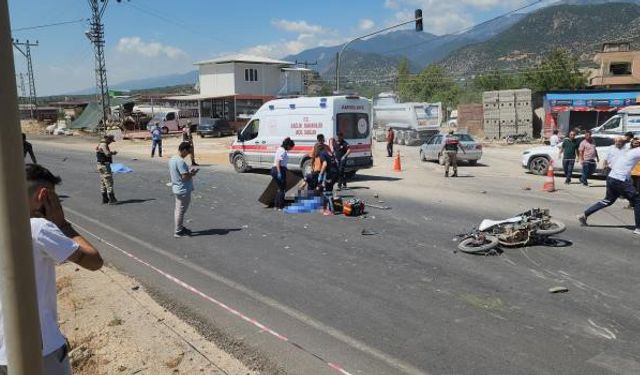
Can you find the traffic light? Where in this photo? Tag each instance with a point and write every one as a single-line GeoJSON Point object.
{"type": "Point", "coordinates": [418, 19]}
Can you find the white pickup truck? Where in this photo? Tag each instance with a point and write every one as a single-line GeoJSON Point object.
{"type": "Point", "coordinates": [626, 120]}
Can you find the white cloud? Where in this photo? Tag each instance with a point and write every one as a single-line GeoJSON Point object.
{"type": "Point", "coordinates": [296, 26]}
{"type": "Point", "coordinates": [443, 17]}
{"type": "Point", "coordinates": [366, 24]}
{"type": "Point", "coordinates": [135, 45]}
{"type": "Point", "coordinates": [391, 4]}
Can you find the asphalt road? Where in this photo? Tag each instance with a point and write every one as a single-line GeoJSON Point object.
{"type": "Point", "coordinates": [312, 295]}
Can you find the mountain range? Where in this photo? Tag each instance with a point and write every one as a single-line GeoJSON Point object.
{"type": "Point", "coordinates": [507, 42]}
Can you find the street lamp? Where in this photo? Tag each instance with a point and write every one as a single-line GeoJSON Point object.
{"type": "Point", "coordinates": [419, 28]}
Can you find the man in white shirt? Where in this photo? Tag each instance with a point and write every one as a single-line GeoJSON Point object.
{"type": "Point", "coordinates": [615, 151]}
{"type": "Point", "coordinates": [54, 241]}
{"type": "Point", "coordinates": [554, 139]}
{"type": "Point", "coordinates": [619, 184]}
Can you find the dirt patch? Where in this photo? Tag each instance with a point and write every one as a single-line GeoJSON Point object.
{"type": "Point", "coordinates": [114, 326]}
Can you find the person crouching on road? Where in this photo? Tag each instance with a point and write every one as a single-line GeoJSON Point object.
{"type": "Point", "coordinates": [316, 163]}
{"type": "Point", "coordinates": [182, 186]}
{"type": "Point", "coordinates": [450, 152]}
{"type": "Point", "coordinates": [104, 157]}
{"type": "Point", "coordinates": [54, 241]}
{"type": "Point", "coordinates": [156, 140]}
{"type": "Point", "coordinates": [327, 178]}
{"type": "Point", "coordinates": [187, 136]}
{"type": "Point", "coordinates": [279, 171]}
{"type": "Point", "coordinates": [619, 184]}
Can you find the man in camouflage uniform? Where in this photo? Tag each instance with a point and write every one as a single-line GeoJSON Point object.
{"type": "Point", "coordinates": [450, 152]}
{"type": "Point", "coordinates": [104, 157]}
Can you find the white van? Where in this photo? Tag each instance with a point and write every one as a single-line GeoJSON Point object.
{"type": "Point", "coordinates": [172, 120]}
{"type": "Point", "coordinates": [626, 120]}
{"type": "Point", "coordinates": [302, 119]}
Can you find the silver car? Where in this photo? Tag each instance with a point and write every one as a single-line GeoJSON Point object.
{"type": "Point", "coordinates": [432, 149]}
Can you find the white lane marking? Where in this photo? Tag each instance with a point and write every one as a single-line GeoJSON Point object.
{"type": "Point", "coordinates": [335, 333]}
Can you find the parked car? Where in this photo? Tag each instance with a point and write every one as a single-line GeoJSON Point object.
{"type": "Point", "coordinates": [537, 159]}
{"type": "Point", "coordinates": [214, 127]}
{"type": "Point", "coordinates": [432, 149]}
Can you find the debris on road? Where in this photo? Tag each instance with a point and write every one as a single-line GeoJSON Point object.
{"type": "Point", "coordinates": [558, 289]}
{"type": "Point", "coordinates": [527, 188]}
{"type": "Point", "coordinates": [378, 206]}
{"type": "Point", "coordinates": [367, 232]}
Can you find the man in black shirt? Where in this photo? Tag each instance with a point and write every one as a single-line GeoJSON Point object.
{"type": "Point", "coordinates": [341, 150]}
{"type": "Point", "coordinates": [27, 148]}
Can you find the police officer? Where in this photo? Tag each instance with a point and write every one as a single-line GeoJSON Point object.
{"type": "Point", "coordinates": [104, 157]}
{"type": "Point", "coordinates": [450, 152]}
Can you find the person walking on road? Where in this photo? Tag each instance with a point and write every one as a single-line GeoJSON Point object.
{"type": "Point", "coordinates": [187, 136]}
{"type": "Point", "coordinates": [619, 184]}
{"type": "Point", "coordinates": [342, 151]}
{"type": "Point", "coordinates": [588, 157]}
{"type": "Point", "coordinates": [54, 241]}
{"type": "Point", "coordinates": [156, 140]}
{"type": "Point", "coordinates": [27, 148]}
{"type": "Point", "coordinates": [182, 186]}
{"type": "Point", "coordinates": [104, 157]}
{"type": "Point", "coordinates": [279, 171]}
{"type": "Point", "coordinates": [390, 139]}
{"type": "Point", "coordinates": [569, 154]}
{"type": "Point", "coordinates": [450, 152]}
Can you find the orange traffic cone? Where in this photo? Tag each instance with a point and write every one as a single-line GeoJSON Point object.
{"type": "Point", "coordinates": [549, 181]}
{"type": "Point", "coordinates": [396, 163]}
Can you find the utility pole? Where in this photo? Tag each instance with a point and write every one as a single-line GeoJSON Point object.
{"type": "Point", "coordinates": [23, 90]}
{"type": "Point", "coordinates": [17, 280]}
{"type": "Point", "coordinates": [26, 52]}
{"type": "Point", "coordinates": [96, 36]}
{"type": "Point", "coordinates": [417, 20]}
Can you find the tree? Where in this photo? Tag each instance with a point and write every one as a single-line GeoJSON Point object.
{"type": "Point", "coordinates": [557, 71]}
{"type": "Point", "coordinates": [496, 80]}
{"type": "Point", "coordinates": [403, 86]}
{"type": "Point", "coordinates": [433, 84]}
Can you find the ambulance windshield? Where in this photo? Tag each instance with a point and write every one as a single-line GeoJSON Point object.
{"type": "Point", "coordinates": [353, 125]}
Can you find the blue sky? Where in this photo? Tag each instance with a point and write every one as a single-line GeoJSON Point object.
{"type": "Point", "coordinates": [147, 38]}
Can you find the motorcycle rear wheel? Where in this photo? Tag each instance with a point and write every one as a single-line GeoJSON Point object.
{"type": "Point", "coordinates": [469, 245]}
{"type": "Point", "coordinates": [551, 227]}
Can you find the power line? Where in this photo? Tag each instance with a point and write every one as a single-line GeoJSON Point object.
{"type": "Point", "coordinates": [33, 97]}
{"type": "Point", "coordinates": [458, 34]}
{"type": "Point", "coordinates": [48, 25]}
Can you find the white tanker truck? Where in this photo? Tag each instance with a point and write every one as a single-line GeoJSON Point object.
{"type": "Point", "coordinates": [413, 123]}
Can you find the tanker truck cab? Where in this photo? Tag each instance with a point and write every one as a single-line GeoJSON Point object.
{"type": "Point", "coordinates": [302, 119]}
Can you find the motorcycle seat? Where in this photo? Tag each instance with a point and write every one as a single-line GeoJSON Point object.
{"type": "Point", "coordinates": [488, 224]}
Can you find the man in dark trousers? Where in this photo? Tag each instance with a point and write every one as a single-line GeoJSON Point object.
{"type": "Point", "coordinates": [390, 138]}
{"type": "Point", "coordinates": [28, 149]}
{"type": "Point", "coordinates": [342, 151]}
{"type": "Point", "coordinates": [569, 153]}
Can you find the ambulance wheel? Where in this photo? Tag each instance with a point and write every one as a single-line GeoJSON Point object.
{"type": "Point", "coordinates": [240, 163]}
{"type": "Point", "coordinates": [165, 130]}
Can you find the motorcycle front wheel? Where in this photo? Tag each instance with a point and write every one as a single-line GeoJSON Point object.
{"type": "Point", "coordinates": [471, 245]}
{"type": "Point", "coordinates": [551, 227]}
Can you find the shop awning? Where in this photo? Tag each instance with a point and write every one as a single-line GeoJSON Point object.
{"type": "Point", "coordinates": [602, 100]}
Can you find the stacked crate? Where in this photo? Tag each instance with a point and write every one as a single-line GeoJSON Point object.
{"type": "Point", "coordinates": [507, 112]}
{"type": "Point", "coordinates": [470, 118]}
{"type": "Point", "coordinates": [491, 114]}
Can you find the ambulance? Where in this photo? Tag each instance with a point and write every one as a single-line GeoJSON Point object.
{"type": "Point", "coordinates": [302, 119]}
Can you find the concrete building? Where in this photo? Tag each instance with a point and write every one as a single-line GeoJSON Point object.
{"type": "Point", "coordinates": [619, 67]}
{"type": "Point", "coordinates": [234, 87]}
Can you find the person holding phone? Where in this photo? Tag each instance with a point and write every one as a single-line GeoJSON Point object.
{"type": "Point", "coordinates": [182, 186]}
{"type": "Point", "coordinates": [54, 241]}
